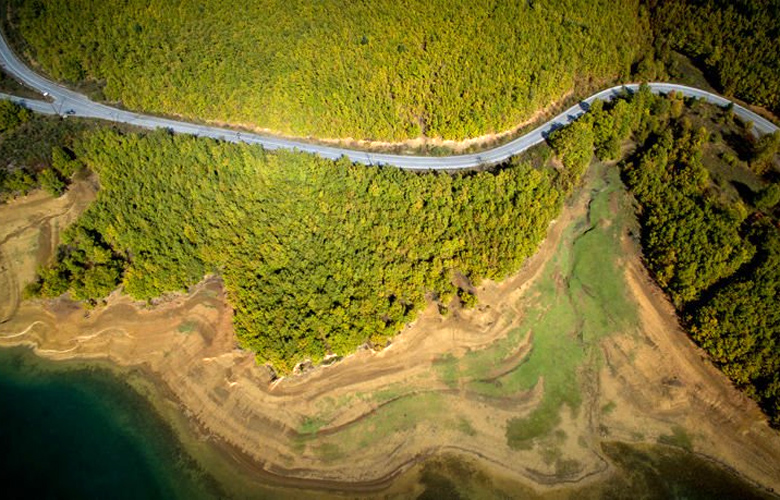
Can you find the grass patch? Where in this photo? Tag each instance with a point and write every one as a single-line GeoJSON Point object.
{"type": "Point", "coordinates": [329, 452]}
{"type": "Point", "coordinates": [679, 438]}
{"type": "Point", "coordinates": [465, 427]}
{"type": "Point", "coordinates": [522, 432]}
{"type": "Point", "coordinates": [448, 370]}
{"type": "Point", "coordinates": [392, 392]}
{"type": "Point", "coordinates": [608, 408]}
{"type": "Point", "coordinates": [398, 416]}
{"type": "Point", "coordinates": [550, 454]}
{"type": "Point", "coordinates": [310, 426]}
{"type": "Point", "coordinates": [330, 403]}
{"type": "Point", "coordinates": [588, 300]}
{"type": "Point", "coordinates": [568, 467]}
{"type": "Point", "coordinates": [187, 326]}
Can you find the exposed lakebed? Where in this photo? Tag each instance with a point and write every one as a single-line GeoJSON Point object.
{"type": "Point", "coordinates": [79, 431]}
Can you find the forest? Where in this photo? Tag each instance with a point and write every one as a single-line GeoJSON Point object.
{"type": "Point", "coordinates": [318, 257]}
{"type": "Point", "coordinates": [382, 70]}
{"type": "Point", "coordinates": [707, 193]}
{"type": "Point", "coordinates": [35, 151]}
{"type": "Point", "coordinates": [736, 41]}
{"type": "Point", "coordinates": [387, 70]}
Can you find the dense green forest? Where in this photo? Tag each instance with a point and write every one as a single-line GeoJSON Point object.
{"type": "Point", "coordinates": [35, 151]}
{"type": "Point", "coordinates": [691, 240]}
{"type": "Point", "coordinates": [707, 194]}
{"type": "Point", "coordinates": [737, 41]}
{"type": "Point", "coordinates": [385, 70]}
{"type": "Point", "coordinates": [389, 70]}
{"type": "Point", "coordinates": [317, 256]}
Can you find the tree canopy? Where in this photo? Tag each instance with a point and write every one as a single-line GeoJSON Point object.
{"type": "Point", "coordinates": [381, 70]}
{"type": "Point", "coordinates": [318, 257]}
{"type": "Point", "coordinates": [34, 151]}
{"type": "Point", "coordinates": [735, 40]}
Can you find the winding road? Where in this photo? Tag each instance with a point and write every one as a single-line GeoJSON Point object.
{"type": "Point", "coordinates": [66, 102]}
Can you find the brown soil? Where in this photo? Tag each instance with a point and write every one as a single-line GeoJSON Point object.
{"type": "Point", "coordinates": [655, 377]}
{"type": "Point", "coordinates": [29, 234]}
{"type": "Point", "coordinates": [661, 378]}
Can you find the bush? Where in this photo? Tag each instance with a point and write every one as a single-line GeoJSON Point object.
{"type": "Point", "coordinates": [12, 115]}
{"type": "Point", "coordinates": [50, 181]}
{"type": "Point", "coordinates": [768, 197]}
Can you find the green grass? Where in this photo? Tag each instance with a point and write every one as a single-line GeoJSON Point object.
{"type": "Point", "coordinates": [447, 369]}
{"type": "Point", "coordinates": [329, 452]}
{"type": "Point", "coordinates": [331, 404]}
{"type": "Point", "coordinates": [588, 300]}
{"type": "Point", "coordinates": [567, 467]}
{"type": "Point", "coordinates": [389, 393]}
{"type": "Point", "coordinates": [596, 296]}
{"type": "Point", "coordinates": [580, 298]}
{"type": "Point", "coordinates": [679, 438]}
{"type": "Point", "coordinates": [522, 432]}
{"type": "Point", "coordinates": [465, 427]}
{"type": "Point", "coordinates": [608, 408]}
{"type": "Point", "coordinates": [187, 326]}
{"type": "Point", "coordinates": [396, 417]}
{"type": "Point", "coordinates": [310, 426]}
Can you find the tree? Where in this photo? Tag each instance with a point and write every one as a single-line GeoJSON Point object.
{"type": "Point", "coordinates": [764, 151]}
{"type": "Point", "coordinates": [18, 182]}
{"type": "Point", "coordinates": [317, 256]}
{"type": "Point", "coordinates": [62, 162]}
{"type": "Point", "coordinates": [574, 146]}
{"type": "Point", "coordinates": [422, 71]}
{"type": "Point", "coordinates": [50, 181]}
{"type": "Point", "coordinates": [768, 197]}
{"type": "Point", "coordinates": [12, 115]}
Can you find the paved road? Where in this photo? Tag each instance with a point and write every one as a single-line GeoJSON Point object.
{"type": "Point", "coordinates": [69, 103]}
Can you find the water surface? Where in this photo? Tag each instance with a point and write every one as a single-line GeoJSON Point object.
{"type": "Point", "coordinates": [77, 432]}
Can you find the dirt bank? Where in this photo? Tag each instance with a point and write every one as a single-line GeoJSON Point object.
{"type": "Point", "coordinates": [29, 233]}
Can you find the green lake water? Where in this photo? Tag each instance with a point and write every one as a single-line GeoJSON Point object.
{"type": "Point", "coordinates": [75, 432]}
{"type": "Point", "coordinates": [82, 433]}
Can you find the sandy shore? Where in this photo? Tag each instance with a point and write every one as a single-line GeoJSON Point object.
{"type": "Point", "coordinates": [299, 430]}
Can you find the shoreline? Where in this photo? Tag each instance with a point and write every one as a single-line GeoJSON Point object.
{"type": "Point", "coordinates": [143, 381]}
{"type": "Point", "coordinates": [214, 395]}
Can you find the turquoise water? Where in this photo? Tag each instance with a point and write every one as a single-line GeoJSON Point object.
{"type": "Point", "coordinates": [82, 433]}
{"type": "Point", "coordinates": [78, 432]}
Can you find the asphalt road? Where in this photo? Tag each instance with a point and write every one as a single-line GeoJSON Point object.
{"type": "Point", "coordinates": [69, 103]}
